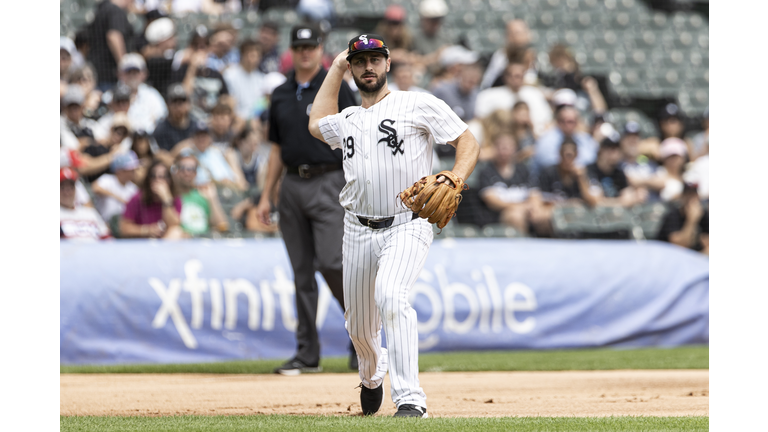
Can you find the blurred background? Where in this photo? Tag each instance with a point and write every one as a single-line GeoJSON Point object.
{"type": "Point", "coordinates": [635, 72]}
{"type": "Point", "coordinates": [553, 90]}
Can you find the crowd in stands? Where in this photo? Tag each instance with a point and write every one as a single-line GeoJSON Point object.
{"type": "Point", "coordinates": [155, 133]}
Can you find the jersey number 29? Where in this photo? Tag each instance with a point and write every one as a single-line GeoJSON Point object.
{"type": "Point", "coordinates": [349, 145]}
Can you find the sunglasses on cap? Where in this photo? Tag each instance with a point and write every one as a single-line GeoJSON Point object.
{"type": "Point", "coordinates": [367, 43]}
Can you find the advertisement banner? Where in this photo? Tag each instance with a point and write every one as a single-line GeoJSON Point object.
{"type": "Point", "coordinates": [139, 301]}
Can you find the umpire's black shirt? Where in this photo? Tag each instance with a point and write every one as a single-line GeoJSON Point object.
{"type": "Point", "coordinates": [289, 122]}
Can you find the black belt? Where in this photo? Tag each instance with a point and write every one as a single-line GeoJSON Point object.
{"type": "Point", "coordinates": [380, 223]}
{"type": "Point", "coordinates": [307, 171]}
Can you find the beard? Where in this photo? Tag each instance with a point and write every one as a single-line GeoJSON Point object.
{"type": "Point", "coordinates": [370, 88]}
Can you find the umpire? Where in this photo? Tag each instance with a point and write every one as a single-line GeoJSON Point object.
{"type": "Point", "coordinates": [311, 218]}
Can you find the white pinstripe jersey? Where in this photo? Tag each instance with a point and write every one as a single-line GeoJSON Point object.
{"type": "Point", "coordinates": [388, 147]}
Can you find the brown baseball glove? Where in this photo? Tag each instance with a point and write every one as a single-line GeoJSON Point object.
{"type": "Point", "coordinates": [436, 202]}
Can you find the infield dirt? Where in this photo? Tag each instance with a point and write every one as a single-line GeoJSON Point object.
{"type": "Point", "coordinates": [449, 394]}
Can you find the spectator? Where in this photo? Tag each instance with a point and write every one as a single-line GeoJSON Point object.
{"type": "Point", "coordinates": [213, 165]}
{"type": "Point", "coordinates": [200, 209]}
{"type": "Point", "coordinates": [120, 130]}
{"type": "Point", "coordinates": [160, 53]}
{"type": "Point", "coordinates": [74, 160]}
{"type": "Point", "coordinates": [488, 127]}
{"type": "Point", "coordinates": [246, 82]}
{"type": "Point", "coordinates": [269, 37]}
{"type": "Point", "coordinates": [252, 154]}
{"type": "Point", "coordinates": [145, 148]}
{"type": "Point", "coordinates": [77, 222]}
{"type": "Point", "coordinates": [522, 130]}
{"type": "Point", "coordinates": [430, 39]}
{"type": "Point", "coordinates": [76, 132]}
{"type": "Point", "coordinates": [565, 183]}
{"type": "Point", "coordinates": [687, 223]}
{"type": "Point", "coordinates": [670, 123]}
{"type": "Point", "coordinates": [398, 36]}
{"type": "Point", "coordinates": [518, 45]}
{"type": "Point", "coordinates": [504, 185]}
{"type": "Point", "coordinates": [110, 36]}
{"type": "Point", "coordinates": [638, 168]}
{"type": "Point", "coordinates": [461, 93]}
{"type": "Point", "coordinates": [140, 42]}
{"type": "Point", "coordinates": [83, 45]}
{"type": "Point", "coordinates": [402, 74]}
{"type": "Point", "coordinates": [548, 145]}
{"type": "Point", "coordinates": [673, 153]}
{"type": "Point", "coordinates": [606, 173]}
{"type": "Point", "coordinates": [119, 103]}
{"type": "Point", "coordinates": [205, 85]}
{"type": "Point", "coordinates": [67, 53]}
{"type": "Point", "coordinates": [512, 91]}
{"type": "Point", "coordinates": [85, 77]}
{"type": "Point", "coordinates": [178, 125]}
{"type": "Point", "coordinates": [147, 105]}
{"type": "Point", "coordinates": [223, 130]}
{"type": "Point", "coordinates": [112, 191]}
{"type": "Point", "coordinates": [155, 210]}
{"type": "Point", "coordinates": [222, 52]}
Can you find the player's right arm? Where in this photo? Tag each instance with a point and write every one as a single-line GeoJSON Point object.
{"type": "Point", "coordinates": [326, 102]}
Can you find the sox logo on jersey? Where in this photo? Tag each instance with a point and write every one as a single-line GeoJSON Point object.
{"type": "Point", "coordinates": [391, 138]}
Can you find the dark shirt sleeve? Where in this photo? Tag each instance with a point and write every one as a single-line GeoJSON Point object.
{"type": "Point", "coordinates": [274, 135]}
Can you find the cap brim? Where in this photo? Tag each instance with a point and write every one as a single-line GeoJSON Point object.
{"type": "Point", "coordinates": [378, 50]}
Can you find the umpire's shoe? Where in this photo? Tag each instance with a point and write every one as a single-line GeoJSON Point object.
{"type": "Point", "coordinates": [295, 367]}
{"type": "Point", "coordinates": [408, 410]}
{"type": "Point", "coordinates": [370, 399]}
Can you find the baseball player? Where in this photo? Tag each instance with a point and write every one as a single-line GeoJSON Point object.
{"type": "Point", "coordinates": [387, 147]}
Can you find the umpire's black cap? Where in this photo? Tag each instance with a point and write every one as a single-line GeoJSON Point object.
{"type": "Point", "coordinates": [309, 34]}
{"type": "Point", "coordinates": [367, 42]}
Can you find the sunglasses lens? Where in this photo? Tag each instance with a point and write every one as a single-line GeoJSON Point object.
{"type": "Point", "coordinates": [367, 44]}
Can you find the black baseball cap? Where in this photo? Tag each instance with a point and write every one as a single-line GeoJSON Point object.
{"type": "Point", "coordinates": [309, 34]}
{"type": "Point", "coordinates": [670, 110]}
{"type": "Point", "coordinates": [367, 42]}
{"type": "Point", "coordinates": [176, 92]}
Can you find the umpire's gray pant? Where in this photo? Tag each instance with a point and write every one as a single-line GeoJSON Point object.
{"type": "Point", "coordinates": [312, 224]}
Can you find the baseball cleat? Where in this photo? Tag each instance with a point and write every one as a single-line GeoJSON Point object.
{"type": "Point", "coordinates": [408, 410]}
{"type": "Point", "coordinates": [295, 367]}
{"type": "Point", "coordinates": [370, 399]}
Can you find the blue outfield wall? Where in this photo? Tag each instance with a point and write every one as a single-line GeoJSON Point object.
{"type": "Point", "coordinates": [137, 301]}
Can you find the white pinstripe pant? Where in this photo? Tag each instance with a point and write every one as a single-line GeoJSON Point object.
{"type": "Point", "coordinates": [380, 268]}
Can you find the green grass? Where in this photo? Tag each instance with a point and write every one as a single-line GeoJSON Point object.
{"type": "Point", "coordinates": [691, 357]}
{"type": "Point", "coordinates": [323, 423]}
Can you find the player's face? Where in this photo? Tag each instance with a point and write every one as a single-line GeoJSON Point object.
{"type": "Point", "coordinates": [369, 70]}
